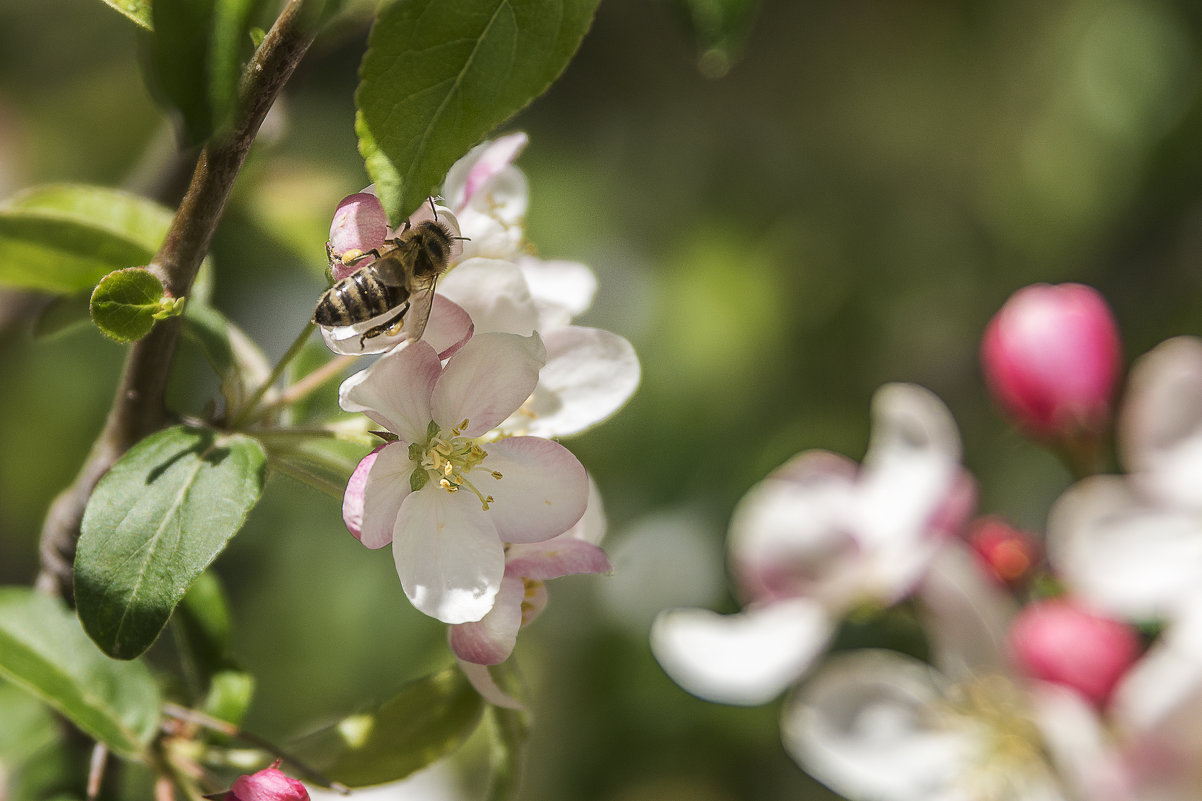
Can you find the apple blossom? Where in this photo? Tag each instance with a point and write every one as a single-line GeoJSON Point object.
{"type": "Point", "coordinates": [442, 493]}
{"type": "Point", "coordinates": [1051, 358]}
{"type": "Point", "coordinates": [818, 538]}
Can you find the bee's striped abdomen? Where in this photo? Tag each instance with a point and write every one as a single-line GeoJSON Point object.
{"type": "Point", "coordinates": [358, 297]}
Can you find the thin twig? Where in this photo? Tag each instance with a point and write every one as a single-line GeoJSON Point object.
{"type": "Point", "coordinates": [248, 408]}
{"type": "Point", "coordinates": [230, 730]}
{"type": "Point", "coordinates": [314, 380]}
{"type": "Point", "coordinates": [138, 408]}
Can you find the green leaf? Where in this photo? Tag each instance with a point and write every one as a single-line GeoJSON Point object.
{"type": "Point", "coordinates": [155, 521]}
{"type": "Point", "coordinates": [429, 718]}
{"type": "Point", "coordinates": [136, 10]}
{"type": "Point", "coordinates": [197, 55]}
{"type": "Point", "coordinates": [62, 314]}
{"type": "Point", "coordinates": [438, 75]}
{"type": "Point", "coordinates": [229, 696]}
{"type": "Point", "coordinates": [126, 304]}
{"type": "Point", "coordinates": [63, 238]}
{"type": "Point", "coordinates": [43, 649]}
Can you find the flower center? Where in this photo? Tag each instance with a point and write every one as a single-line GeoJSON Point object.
{"type": "Point", "coordinates": [1012, 755]}
{"type": "Point", "coordinates": [446, 457]}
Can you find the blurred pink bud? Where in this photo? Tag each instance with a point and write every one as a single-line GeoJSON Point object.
{"type": "Point", "coordinates": [1062, 643]}
{"type": "Point", "coordinates": [268, 784]}
{"type": "Point", "coordinates": [1009, 554]}
{"type": "Point", "coordinates": [1051, 358]}
{"type": "Point", "coordinates": [359, 225]}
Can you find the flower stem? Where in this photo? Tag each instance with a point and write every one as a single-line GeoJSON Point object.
{"type": "Point", "coordinates": [138, 408]}
{"type": "Point", "coordinates": [302, 388]}
{"type": "Point", "coordinates": [249, 408]}
{"type": "Point", "coordinates": [511, 729]}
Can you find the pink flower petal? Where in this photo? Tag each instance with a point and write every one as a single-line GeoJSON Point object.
{"type": "Point", "coordinates": [543, 490]}
{"type": "Point", "coordinates": [490, 640]}
{"type": "Point", "coordinates": [559, 556]}
{"type": "Point", "coordinates": [352, 498]}
{"type": "Point", "coordinates": [482, 163]}
{"type": "Point", "coordinates": [486, 381]}
{"type": "Point", "coordinates": [494, 293]}
{"type": "Point", "coordinates": [748, 658]}
{"type": "Point", "coordinates": [385, 487]}
{"type": "Point", "coordinates": [447, 555]}
{"type": "Point", "coordinates": [395, 391]}
{"type": "Point", "coordinates": [359, 224]}
{"type": "Point", "coordinates": [449, 328]}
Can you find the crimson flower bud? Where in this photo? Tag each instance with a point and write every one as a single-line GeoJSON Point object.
{"type": "Point", "coordinates": [268, 784]}
{"type": "Point", "coordinates": [359, 225]}
{"type": "Point", "coordinates": [1009, 554]}
{"type": "Point", "coordinates": [1051, 358]}
{"type": "Point", "coordinates": [1062, 643]}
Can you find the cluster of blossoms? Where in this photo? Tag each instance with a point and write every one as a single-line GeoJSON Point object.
{"type": "Point", "coordinates": [480, 505]}
{"type": "Point", "coordinates": [1067, 668]}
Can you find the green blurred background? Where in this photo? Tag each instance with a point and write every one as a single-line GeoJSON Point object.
{"type": "Point", "coordinates": [779, 229]}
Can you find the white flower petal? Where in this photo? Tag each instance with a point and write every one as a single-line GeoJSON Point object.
{"type": "Point", "coordinates": [965, 614]}
{"type": "Point", "coordinates": [494, 293]}
{"type": "Point", "coordinates": [910, 468]}
{"type": "Point", "coordinates": [395, 391]}
{"type": "Point", "coordinates": [447, 555]}
{"type": "Point", "coordinates": [486, 381]}
{"type": "Point", "coordinates": [864, 726]}
{"type": "Point", "coordinates": [1160, 431]}
{"type": "Point", "coordinates": [747, 658]}
{"type": "Point", "coordinates": [1113, 549]}
{"type": "Point", "coordinates": [385, 489]}
{"type": "Point", "coordinates": [561, 289]}
{"type": "Point", "coordinates": [490, 640]}
{"type": "Point", "coordinates": [589, 375]}
{"type": "Point", "coordinates": [1161, 697]}
{"type": "Point", "coordinates": [543, 490]}
{"type": "Point", "coordinates": [789, 534]}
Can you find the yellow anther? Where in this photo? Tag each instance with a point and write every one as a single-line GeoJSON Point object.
{"type": "Point", "coordinates": [496, 474]}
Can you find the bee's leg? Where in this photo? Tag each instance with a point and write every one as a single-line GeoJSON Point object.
{"type": "Point", "coordinates": [391, 326]}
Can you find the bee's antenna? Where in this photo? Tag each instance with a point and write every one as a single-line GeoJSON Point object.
{"type": "Point", "coordinates": [433, 209]}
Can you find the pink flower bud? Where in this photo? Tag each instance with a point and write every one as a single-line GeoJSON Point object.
{"type": "Point", "coordinates": [1008, 554]}
{"type": "Point", "coordinates": [359, 225]}
{"type": "Point", "coordinates": [268, 784]}
{"type": "Point", "coordinates": [1051, 358]}
{"type": "Point", "coordinates": [1062, 643]}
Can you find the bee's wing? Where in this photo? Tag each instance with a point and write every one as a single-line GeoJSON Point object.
{"type": "Point", "coordinates": [420, 303]}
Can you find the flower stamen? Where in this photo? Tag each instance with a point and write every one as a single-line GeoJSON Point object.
{"type": "Point", "coordinates": [448, 457]}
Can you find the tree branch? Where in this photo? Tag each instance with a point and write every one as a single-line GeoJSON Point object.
{"type": "Point", "coordinates": [138, 408]}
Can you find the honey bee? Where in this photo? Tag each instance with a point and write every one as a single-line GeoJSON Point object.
{"type": "Point", "coordinates": [401, 278]}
